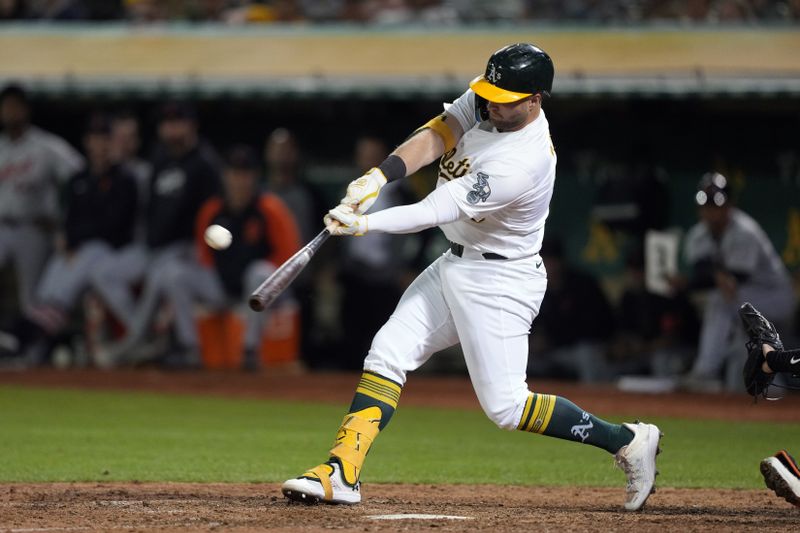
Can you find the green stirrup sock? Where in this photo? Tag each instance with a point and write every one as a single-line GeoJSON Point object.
{"type": "Point", "coordinates": [558, 417]}
{"type": "Point", "coordinates": [378, 391]}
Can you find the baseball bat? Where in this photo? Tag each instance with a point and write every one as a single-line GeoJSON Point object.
{"type": "Point", "coordinates": [278, 281]}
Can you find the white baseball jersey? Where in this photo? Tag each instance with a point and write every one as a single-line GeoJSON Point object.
{"type": "Point", "coordinates": [30, 169]}
{"type": "Point", "coordinates": [492, 195]}
{"type": "Point", "coordinates": [502, 181]}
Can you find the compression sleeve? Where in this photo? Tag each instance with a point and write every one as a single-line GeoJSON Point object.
{"type": "Point", "coordinates": [436, 209]}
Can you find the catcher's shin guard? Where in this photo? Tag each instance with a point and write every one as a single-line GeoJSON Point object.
{"type": "Point", "coordinates": [337, 480]}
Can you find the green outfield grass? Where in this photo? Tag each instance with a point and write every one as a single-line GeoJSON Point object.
{"type": "Point", "coordinates": [60, 435]}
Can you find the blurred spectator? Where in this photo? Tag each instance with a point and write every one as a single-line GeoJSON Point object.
{"type": "Point", "coordinates": [185, 174]}
{"type": "Point", "coordinates": [574, 323]}
{"type": "Point", "coordinates": [33, 165]}
{"type": "Point", "coordinates": [100, 211]}
{"type": "Point", "coordinates": [404, 12]}
{"type": "Point", "coordinates": [371, 267]}
{"type": "Point", "coordinates": [145, 11]}
{"type": "Point", "coordinates": [656, 334]}
{"type": "Point", "coordinates": [398, 12]}
{"type": "Point", "coordinates": [264, 236]}
{"type": "Point", "coordinates": [325, 10]}
{"type": "Point", "coordinates": [731, 257]}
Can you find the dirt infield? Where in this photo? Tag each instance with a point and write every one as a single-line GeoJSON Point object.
{"type": "Point", "coordinates": [148, 507]}
{"type": "Point", "coordinates": [245, 508]}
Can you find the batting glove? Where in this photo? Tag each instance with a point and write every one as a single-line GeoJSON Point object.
{"type": "Point", "coordinates": [350, 223]}
{"type": "Point", "coordinates": [362, 192]}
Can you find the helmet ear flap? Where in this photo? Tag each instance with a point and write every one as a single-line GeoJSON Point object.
{"type": "Point", "coordinates": [481, 108]}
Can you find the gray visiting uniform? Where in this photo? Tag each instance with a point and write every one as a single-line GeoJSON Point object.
{"type": "Point", "coordinates": [188, 283]}
{"type": "Point", "coordinates": [31, 170]}
{"type": "Point", "coordinates": [745, 249]}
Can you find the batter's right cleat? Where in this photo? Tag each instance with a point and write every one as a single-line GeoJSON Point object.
{"type": "Point", "coordinates": [324, 484]}
{"type": "Point", "coordinates": [782, 475]}
{"type": "Point", "coordinates": [638, 460]}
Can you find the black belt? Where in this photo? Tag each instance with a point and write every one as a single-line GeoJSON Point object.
{"type": "Point", "coordinates": [458, 251]}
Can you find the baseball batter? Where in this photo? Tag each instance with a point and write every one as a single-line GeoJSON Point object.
{"type": "Point", "coordinates": [496, 176]}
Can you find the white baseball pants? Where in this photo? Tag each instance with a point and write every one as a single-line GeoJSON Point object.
{"type": "Point", "coordinates": [487, 305]}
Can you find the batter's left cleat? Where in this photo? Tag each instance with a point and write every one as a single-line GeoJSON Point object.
{"type": "Point", "coordinates": [782, 475]}
{"type": "Point", "coordinates": [324, 484]}
{"type": "Point", "coordinates": [638, 460]}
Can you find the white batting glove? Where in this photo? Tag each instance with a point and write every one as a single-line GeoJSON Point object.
{"type": "Point", "coordinates": [349, 222]}
{"type": "Point", "coordinates": [362, 192]}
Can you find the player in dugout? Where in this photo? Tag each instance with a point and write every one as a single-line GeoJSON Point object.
{"type": "Point", "coordinates": [264, 236]}
{"type": "Point", "coordinates": [100, 204]}
{"type": "Point", "coordinates": [767, 357]}
{"type": "Point", "coordinates": [34, 165]}
{"type": "Point", "coordinates": [496, 177]}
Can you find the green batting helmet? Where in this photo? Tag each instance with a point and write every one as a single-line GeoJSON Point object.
{"type": "Point", "coordinates": [515, 72]}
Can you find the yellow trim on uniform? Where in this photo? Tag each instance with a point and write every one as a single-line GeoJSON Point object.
{"type": "Point", "coordinates": [537, 413]}
{"type": "Point", "coordinates": [526, 412]}
{"type": "Point", "coordinates": [543, 412]}
{"type": "Point", "coordinates": [482, 87]}
{"type": "Point", "coordinates": [440, 127]}
{"type": "Point", "coordinates": [380, 389]}
{"type": "Point", "coordinates": [534, 417]}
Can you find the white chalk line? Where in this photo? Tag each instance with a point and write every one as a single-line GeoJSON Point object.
{"type": "Point", "coordinates": [416, 516]}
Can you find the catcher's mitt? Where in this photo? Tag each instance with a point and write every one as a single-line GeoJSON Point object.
{"type": "Point", "coordinates": [761, 331]}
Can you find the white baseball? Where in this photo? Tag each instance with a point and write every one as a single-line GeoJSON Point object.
{"type": "Point", "coordinates": [218, 237]}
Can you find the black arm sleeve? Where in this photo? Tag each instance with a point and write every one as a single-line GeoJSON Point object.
{"type": "Point", "coordinates": [784, 361]}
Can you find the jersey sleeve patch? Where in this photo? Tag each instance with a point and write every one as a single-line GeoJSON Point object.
{"type": "Point", "coordinates": [481, 190]}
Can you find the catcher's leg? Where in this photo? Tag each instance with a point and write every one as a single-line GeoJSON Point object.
{"type": "Point", "coordinates": [782, 475]}
{"type": "Point", "coordinates": [420, 326]}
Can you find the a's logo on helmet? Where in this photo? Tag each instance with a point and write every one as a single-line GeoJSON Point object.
{"type": "Point", "coordinates": [493, 74]}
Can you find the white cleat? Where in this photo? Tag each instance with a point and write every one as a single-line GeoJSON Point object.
{"type": "Point", "coordinates": [323, 483]}
{"type": "Point", "coordinates": [638, 461]}
{"type": "Point", "coordinates": [782, 475]}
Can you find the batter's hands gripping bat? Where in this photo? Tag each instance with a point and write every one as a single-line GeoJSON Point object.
{"type": "Point", "coordinates": [273, 286]}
